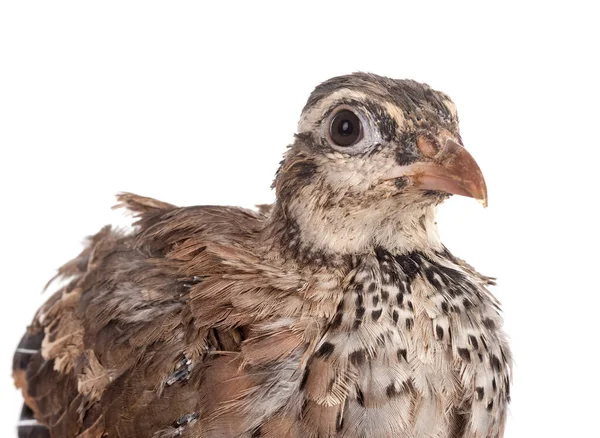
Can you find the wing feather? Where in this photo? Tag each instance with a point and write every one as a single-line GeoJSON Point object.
{"type": "Point", "coordinates": [147, 334]}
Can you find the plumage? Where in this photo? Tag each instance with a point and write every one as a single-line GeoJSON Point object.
{"type": "Point", "coordinates": [334, 312]}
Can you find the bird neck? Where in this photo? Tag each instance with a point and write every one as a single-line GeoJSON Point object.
{"type": "Point", "coordinates": [324, 235]}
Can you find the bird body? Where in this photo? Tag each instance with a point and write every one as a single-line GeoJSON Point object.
{"type": "Point", "coordinates": [335, 312]}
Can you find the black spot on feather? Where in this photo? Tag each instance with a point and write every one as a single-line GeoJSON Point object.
{"type": "Point", "coordinates": [495, 362]}
{"type": "Point", "coordinates": [464, 354]}
{"type": "Point", "coordinates": [360, 312]}
{"type": "Point", "coordinates": [325, 350]}
{"type": "Point", "coordinates": [402, 354]}
{"type": "Point", "coordinates": [479, 392]}
{"type": "Point", "coordinates": [358, 357]}
{"type": "Point", "coordinates": [473, 341]}
{"type": "Point", "coordinates": [490, 324]}
{"type": "Point", "coordinates": [390, 391]}
{"type": "Point", "coordinates": [337, 321]}
{"type": "Point", "coordinates": [375, 314]}
{"type": "Point", "coordinates": [400, 299]}
{"type": "Point", "coordinates": [359, 300]}
{"type": "Point", "coordinates": [439, 332]}
{"type": "Point", "coordinates": [360, 397]}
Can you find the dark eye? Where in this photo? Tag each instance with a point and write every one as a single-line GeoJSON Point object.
{"type": "Point", "coordinates": [345, 128]}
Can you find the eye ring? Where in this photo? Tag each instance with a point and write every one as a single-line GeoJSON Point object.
{"type": "Point", "coordinates": [345, 129]}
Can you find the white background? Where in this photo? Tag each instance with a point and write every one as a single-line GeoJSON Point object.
{"type": "Point", "coordinates": [195, 104]}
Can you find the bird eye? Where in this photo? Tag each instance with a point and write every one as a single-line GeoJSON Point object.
{"type": "Point", "coordinates": [345, 129]}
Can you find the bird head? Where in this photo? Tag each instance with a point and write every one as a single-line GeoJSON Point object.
{"type": "Point", "coordinates": [372, 159]}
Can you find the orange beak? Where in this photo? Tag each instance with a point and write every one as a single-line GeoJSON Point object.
{"type": "Point", "coordinates": [452, 170]}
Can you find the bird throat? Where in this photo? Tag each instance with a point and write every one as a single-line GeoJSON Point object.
{"type": "Point", "coordinates": [324, 235]}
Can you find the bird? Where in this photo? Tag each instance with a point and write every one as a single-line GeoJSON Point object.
{"type": "Point", "coordinates": [335, 311]}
